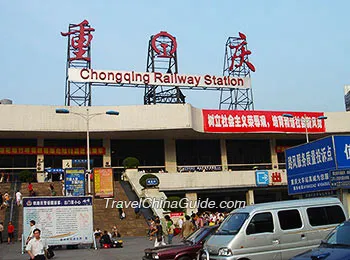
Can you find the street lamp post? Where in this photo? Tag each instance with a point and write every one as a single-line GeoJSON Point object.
{"type": "Point", "coordinates": [305, 121]}
{"type": "Point", "coordinates": [87, 117]}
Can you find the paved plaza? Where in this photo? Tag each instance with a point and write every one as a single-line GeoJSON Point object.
{"type": "Point", "coordinates": [132, 250]}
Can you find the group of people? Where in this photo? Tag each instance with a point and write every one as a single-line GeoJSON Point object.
{"type": "Point", "coordinates": [6, 199]}
{"type": "Point", "coordinates": [107, 238]}
{"type": "Point", "coordinates": [159, 229]}
{"type": "Point", "coordinates": [36, 247]}
{"type": "Point", "coordinates": [5, 177]}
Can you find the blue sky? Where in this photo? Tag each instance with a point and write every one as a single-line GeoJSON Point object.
{"type": "Point", "coordinates": [300, 49]}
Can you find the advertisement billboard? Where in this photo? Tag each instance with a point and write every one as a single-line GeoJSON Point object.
{"type": "Point", "coordinates": [231, 121]}
{"type": "Point", "coordinates": [62, 220]}
{"type": "Point", "coordinates": [103, 182]}
{"type": "Point", "coordinates": [74, 182]}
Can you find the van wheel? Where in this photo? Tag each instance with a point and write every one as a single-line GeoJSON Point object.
{"type": "Point", "coordinates": [243, 259]}
{"type": "Point", "coordinates": [184, 258]}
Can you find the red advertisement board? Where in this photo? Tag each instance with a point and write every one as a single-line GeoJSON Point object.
{"type": "Point", "coordinates": [17, 150]}
{"type": "Point", "coordinates": [242, 121]}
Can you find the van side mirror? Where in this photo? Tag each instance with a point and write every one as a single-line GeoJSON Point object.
{"type": "Point", "coordinates": [250, 229]}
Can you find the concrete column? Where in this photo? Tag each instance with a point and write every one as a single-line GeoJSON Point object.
{"type": "Point", "coordinates": [274, 158]}
{"type": "Point", "coordinates": [40, 164]}
{"type": "Point", "coordinates": [107, 160]}
{"type": "Point", "coordinates": [223, 151]}
{"type": "Point", "coordinates": [250, 197]}
{"type": "Point", "coordinates": [192, 201]}
{"type": "Point", "coordinates": [170, 155]}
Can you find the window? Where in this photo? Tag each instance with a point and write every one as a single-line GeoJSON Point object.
{"type": "Point", "coordinates": [260, 223]}
{"type": "Point", "coordinates": [289, 219]}
{"type": "Point", "coordinates": [232, 224]}
{"type": "Point", "coordinates": [340, 235]}
{"type": "Point", "coordinates": [325, 215]}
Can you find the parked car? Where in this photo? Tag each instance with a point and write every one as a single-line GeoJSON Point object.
{"type": "Point", "coordinates": [275, 230]}
{"type": "Point", "coordinates": [336, 246]}
{"type": "Point", "coordinates": [186, 250]}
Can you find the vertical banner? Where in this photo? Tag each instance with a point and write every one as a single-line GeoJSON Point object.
{"type": "Point", "coordinates": [103, 182]}
{"type": "Point", "coordinates": [74, 182]}
{"type": "Point", "coordinates": [62, 220]}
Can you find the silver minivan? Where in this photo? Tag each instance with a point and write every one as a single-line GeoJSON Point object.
{"type": "Point", "coordinates": [274, 231]}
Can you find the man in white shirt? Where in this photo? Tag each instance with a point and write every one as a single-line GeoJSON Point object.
{"type": "Point", "coordinates": [37, 247]}
{"type": "Point", "coordinates": [18, 198]}
{"type": "Point", "coordinates": [31, 233]}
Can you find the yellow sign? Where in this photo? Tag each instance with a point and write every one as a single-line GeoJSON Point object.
{"type": "Point", "coordinates": [103, 182]}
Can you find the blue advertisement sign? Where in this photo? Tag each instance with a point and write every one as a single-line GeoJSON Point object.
{"type": "Point", "coordinates": [311, 157]}
{"type": "Point", "coordinates": [74, 182]}
{"type": "Point", "coordinates": [342, 149]}
{"type": "Point", "coordinates": [262, 178]}
{"type": "Point", "coordinates": [310, 167]}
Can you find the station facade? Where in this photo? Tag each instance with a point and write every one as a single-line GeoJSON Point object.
{"type": "Point", "coordinates": [184, 145]}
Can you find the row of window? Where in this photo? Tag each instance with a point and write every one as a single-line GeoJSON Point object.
{"type": "Point", "coordinates": [291, 219]}
{"type": "Point", "coordinates": [151, 152]}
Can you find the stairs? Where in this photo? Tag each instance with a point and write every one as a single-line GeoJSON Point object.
{"type": "Point", "coordinates": [41, 189]}
{"type": "Point", "coordinates": [106, 218]}
{"type": "Point", "coordinates": [146, 212]}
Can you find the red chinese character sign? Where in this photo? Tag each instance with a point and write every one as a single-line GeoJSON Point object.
{"type": "Point", "coordinates": [80, 39]}
{"type": "Point", "coordinates": [237, 64]}
{"type": "Point", "coordinates": [240, 54]}
{"type": "Point", "coordinates": [238, 121]}
{"type": "Point", "coordinates": [276, 178]}
{"type": "Point", "coordinates": [164, 44]}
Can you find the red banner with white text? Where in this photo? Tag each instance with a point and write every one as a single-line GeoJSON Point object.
{"type": "Point", "coordinates": [242, 121]}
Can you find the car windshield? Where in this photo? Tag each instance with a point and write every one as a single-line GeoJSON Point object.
{"type": "Point", "coordinates": [340, 235]}
{"type": "Point", "coordinates": [232, 224]}
{"type": "Point", "coordinates": [198, 235]}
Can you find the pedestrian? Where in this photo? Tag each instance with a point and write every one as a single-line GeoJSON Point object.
{"type": "Point", "coordinates": [6, 199]}
{"type": "Point", "coordinates": [158, 232]}
{"type": "Point", "coordinates": [1, 201]}
{"type": "Point", "coordinates": [1, 230]}
{"type": "Point", "coordinates": [30, 188]}
{"type": "Point", "coordinates": [63, 189]}
{"type": "Point", "coordinates": [121, 213]}
{"type": "Point", "coordinates": [31, 232]}
{"type": "Point", "coordinates": [37, 247]}
{"type": "Point", "coordinates": [170, 228]}
{"type": "Point", "coordinates": [137, 211]}
{"type": "Point", "coordinates": [151, 227]}
{"type": "Point", "coordinates": [10, 232]}
{"type": "Point", "coordinates": [187, 227]}
{"type": "Point", "coordinates": [18, 198]}
{"type": "Point", "coordinates": [52, 190]}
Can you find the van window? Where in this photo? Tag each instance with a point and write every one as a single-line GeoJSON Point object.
{"type": "Point", "coordinates": [232, 224]}
{"type": "Point", "coordinates": [289, 219]}
{"type": "Point", "coordinates": [320, 216]}
{"type": "Point", "coordinates": [260, 223]}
